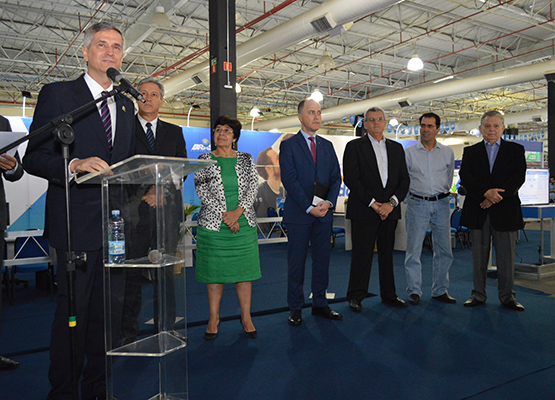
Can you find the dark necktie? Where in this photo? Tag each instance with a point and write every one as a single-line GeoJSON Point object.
{"type": "Point", "coordinates": [106, 120]}
{"type": "Point", "coordinates": [150, 135]}
{"type": "Point", "coordinates": [312, 148]}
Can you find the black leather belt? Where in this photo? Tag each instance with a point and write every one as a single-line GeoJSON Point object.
{"type": "Point", "coordinates": [433, 198]}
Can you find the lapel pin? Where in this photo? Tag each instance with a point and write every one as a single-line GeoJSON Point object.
{"type": "Point", "coordinates": [123, 108]}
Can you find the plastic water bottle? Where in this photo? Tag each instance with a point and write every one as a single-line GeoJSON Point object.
{"type": "Point", "coordinates": [116, 239]}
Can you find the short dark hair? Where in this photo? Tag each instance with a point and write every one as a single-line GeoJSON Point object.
{"type": "Point", "coordinates": [234, 124]}
{"type": "Point", "coordinates": [99, 27]}
{"type": "Point", "coordinates": [262, 161]}
{"type": "Point", "coordinates": [300, 107]}
{"type": "Point", "coordinates": [430, 115]}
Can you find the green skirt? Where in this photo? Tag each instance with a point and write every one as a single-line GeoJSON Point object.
{"type": "Point", "coordinates": [226, 257]}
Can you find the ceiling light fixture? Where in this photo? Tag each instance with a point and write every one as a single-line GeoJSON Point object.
{"type": "Point", "coordinates": [255, 112]}
{"type": "Point", "coordinates": [415, 63]}
{"type": "Point", "coordinates": [237, 87]}
{"type": "Point", "coordinates": [326, 61]}
{"type": "Point", "coordinates": [160, 19]}
{"type": "Point", "coordinates": [317, 95]}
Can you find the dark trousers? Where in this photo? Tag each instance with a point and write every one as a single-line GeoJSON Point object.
{"type": "Point", "coordinates": [505, 246]}
{"type": "Point", "coordinates": [89, 299]}
{"type": "Point", "coordinates": [318, 234]}
{"type": "Point", "coordinates": [363, 236]}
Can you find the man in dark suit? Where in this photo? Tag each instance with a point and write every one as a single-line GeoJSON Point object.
{"type": "Point", "coordinates": [492, 171]}
{"type": "Point", "coordinates": [375, 171]}
{"type": "Point", "coordinates": [152, 137]}
{"type": "Point", "coordinates": [103, 136]}
{"type": "Point", "coordinates": [12, 170]}
{"type": "Point", "coordinates": [305, 159]}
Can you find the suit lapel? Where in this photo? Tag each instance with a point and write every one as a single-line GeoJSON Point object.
{"type": "Point", "coordinates": [82, 96]}
{"type": "Point", "coordinates": [141, 136]}
{"type": "Point", "coordinates": [304, 148]}
{"type": "Point", "coordinates": [370, 156]}
{"type": "Point", "coordinates": [119, 152]}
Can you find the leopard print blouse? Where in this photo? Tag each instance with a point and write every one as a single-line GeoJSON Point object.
{"type": "Point", "coordinates": [210, 190]}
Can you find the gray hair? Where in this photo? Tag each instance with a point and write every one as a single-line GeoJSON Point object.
{"type": "Point", "coordinates": [492, 113]}
{"type": "Point", "coordinates": [99, 27]}
{"type": "Point", "coordinates": [151, 79]}
{"type": "Point", "coordinates": [373, 109]}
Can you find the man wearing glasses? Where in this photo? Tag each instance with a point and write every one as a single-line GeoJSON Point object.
{"type": "Point", "coordinates": [376, 174]}
{"type": "Point", "coordinates": [431, 166]}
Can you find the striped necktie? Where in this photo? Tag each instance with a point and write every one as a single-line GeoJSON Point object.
{"type": "Point", "coordinates": [106, 120]}
{"type": "Point", "coordinates": [150, 135]}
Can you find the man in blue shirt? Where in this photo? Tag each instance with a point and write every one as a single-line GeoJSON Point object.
{"type": "Point", "coordinates": [430, 165]}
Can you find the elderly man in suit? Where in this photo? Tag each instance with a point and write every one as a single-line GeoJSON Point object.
{"type": "Point", "coordinates": [492, 171]}
{"type": "Point", "coordinates": [11, 170]}
{"type": "Point", "coordinates": [308, 161]}
{"type": "Point", "coordinates": [152, 137]}
{"type": "Point", "coordinates": [103, 136]}
{"type": "Point", "coordinates": [375, 171]}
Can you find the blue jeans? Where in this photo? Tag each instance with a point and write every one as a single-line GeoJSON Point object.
{"type": "Point", "coordinates": [421, 214]}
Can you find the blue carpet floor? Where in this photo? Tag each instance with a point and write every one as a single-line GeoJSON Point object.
{"type": "Point", "coordinates": [433, 351]}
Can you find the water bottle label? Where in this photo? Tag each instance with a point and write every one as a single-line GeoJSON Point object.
{"type": "Point", "coordinates": [116, 247]}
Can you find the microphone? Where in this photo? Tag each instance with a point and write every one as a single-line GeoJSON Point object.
{"type": "Point", "coordinates": [118, 78]}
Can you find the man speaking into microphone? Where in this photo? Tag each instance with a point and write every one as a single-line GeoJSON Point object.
{"type": "Point", "coordinates": [103, 136]}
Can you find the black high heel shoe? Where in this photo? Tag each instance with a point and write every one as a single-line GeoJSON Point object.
{"type": "Point", "coordinates": [249, 335]}
{"type": "Point", "coordinates": [211, 336]}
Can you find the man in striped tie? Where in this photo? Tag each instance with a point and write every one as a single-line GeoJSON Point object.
{"type": "Point", "coordinates": [152, 137]}
{"type": "Point", "coordinates": [103, 136]}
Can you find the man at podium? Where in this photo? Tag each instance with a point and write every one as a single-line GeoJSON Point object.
{"type": "Point", "coordinates": [103, 136]}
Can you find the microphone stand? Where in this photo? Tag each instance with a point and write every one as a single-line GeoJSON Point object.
{"type": "Point", "coordinates": [64, 134]}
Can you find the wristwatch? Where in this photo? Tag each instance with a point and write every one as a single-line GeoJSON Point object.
{"type": "Point", "coordinates": [392, 202]}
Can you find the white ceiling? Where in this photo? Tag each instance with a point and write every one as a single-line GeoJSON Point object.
{"type": "Point", "coordinates": [40, 42]}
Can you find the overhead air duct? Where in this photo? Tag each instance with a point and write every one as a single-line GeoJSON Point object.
{"type": "Point", "coordinates": [506, 77]}
{"type": "Point", "coordinates": [293, 31]}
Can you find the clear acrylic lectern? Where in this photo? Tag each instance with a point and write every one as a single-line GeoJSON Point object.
{"type": "Point", "coordinates": [145, 312]}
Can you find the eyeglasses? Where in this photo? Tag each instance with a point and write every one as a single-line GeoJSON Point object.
{"type": "Point", "coordinates": [379, 119]}
{"type": "Point", "coordinates": [223, 130]}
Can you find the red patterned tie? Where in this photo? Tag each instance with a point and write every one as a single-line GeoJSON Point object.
{"type": "Point", "coordinates": [312, 148]}
{"type": "Point", "coordinates": [106, 120]}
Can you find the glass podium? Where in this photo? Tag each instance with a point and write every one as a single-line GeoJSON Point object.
{"type": "Point", "coordinates": [144, 277]}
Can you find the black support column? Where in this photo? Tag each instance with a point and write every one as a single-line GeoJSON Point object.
{"type": "Point", "coordinates": [223, 75]}
{"type": "Point", "coordinates": [551, 122]}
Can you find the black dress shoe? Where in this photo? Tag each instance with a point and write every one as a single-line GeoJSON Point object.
{"type": "Point", "coordinates": [326, 312]}
{"type": "Point", "coordinates": [355, 305]}
{"type": "Point", "coordinates": [445, 298]}
{"type": "Point", "coordinates": [295, 318]}
{"type": "Point", "coordinates": [396, 302]}
{"type": "Point", "coordinates": [472, 302]}
{"type": "Point", "coordinates": [514, 305]}
{"type": "Point", "coordinates": [249, 335]}
{"type": "Point", "coordinates": [7, 365]}
{"type": "Point", "coordinates": [414, 299]}
{"type": "Point", "coordinates": [211, 336]}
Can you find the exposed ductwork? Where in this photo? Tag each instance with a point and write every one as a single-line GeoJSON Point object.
{"type": "Point", "coordinates": [510, 119]}
{"type": "Point", "coordinates": [492, 80]}
{"type": "Point", "coordinates": [292, 31]}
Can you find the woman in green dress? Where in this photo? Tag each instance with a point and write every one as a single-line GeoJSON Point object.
{"type": "Point", "coordinates": [227, 239]}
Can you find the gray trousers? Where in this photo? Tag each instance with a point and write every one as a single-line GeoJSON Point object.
{"type": "Point", "coordinates": [505, 245]}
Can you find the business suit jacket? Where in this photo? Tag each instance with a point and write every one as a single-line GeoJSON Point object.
{"type": "Point", "coordinates": [44, 159]}
{"type": "Point", "coordinates": [11, 176]}
{"type": "Point", "coordinates": [508, 173]}
{"type": "Point", "coordinates": [362, 177]}
{"type": "Point", "coordinates": [299, 172]}
{"type": "Point", "coordinates": [169, 140]}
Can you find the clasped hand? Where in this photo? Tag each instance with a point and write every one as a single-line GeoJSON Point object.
{"type": "Point", "coordinates": [492, 196]}
{"type": "Point", "coordinates": [150, 197]}
{"type": "Point", "coordinates": [321, 209]}
{"type": "Point", "coordinates": [382, 209]}
{"type": "Point", "coordinates": [231, 219]}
